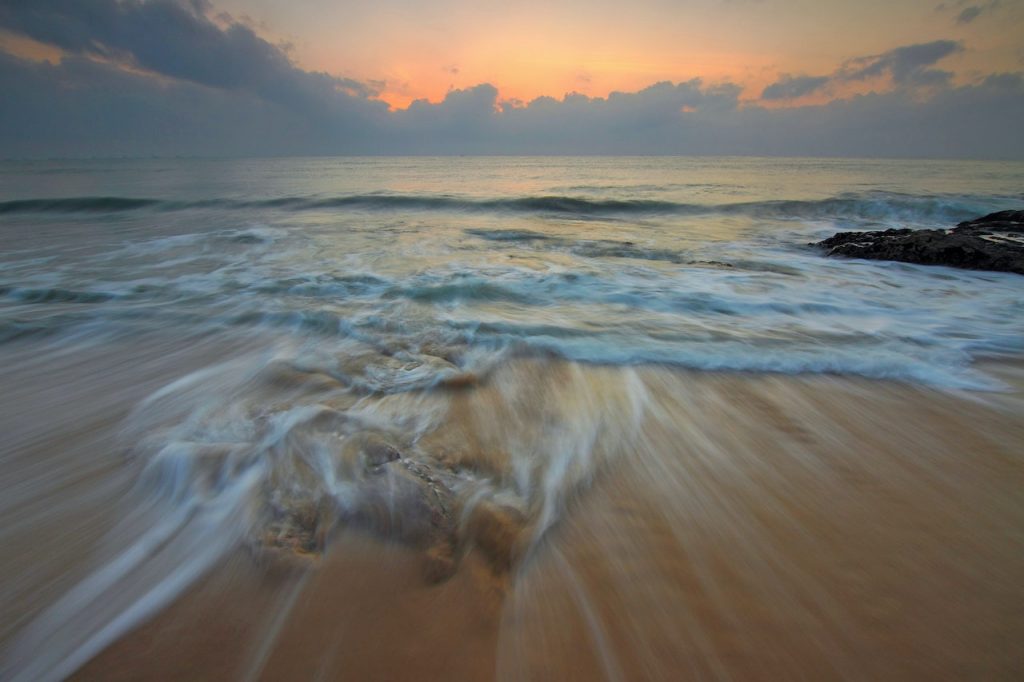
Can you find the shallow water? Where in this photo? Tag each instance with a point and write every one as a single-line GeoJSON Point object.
{"type": "Point", "coordinates": [258, 367]}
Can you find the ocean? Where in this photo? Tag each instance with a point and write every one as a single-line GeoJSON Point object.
{"type": "Point", "coordinates": [210, 361]}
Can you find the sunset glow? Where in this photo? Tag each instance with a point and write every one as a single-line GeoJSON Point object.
{"type": "Point", "coordinates": [317, 77]}
{"type": "Point", "coordinates": [534, 49]}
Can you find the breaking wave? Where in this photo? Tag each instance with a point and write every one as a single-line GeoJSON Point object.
{"type": "Point", "coordinates": [939, 209]}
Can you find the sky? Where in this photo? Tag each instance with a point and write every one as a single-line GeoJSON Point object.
{"type": "Point", "coordinates": [914, 78]}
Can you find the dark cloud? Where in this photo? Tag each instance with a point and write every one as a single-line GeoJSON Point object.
{"type": "Point", "coordinates": [459, 110]}
{"type": "Point", "coordinates": [1004, 81]}
{"type": "Point", "coordinates": [84, 108]}
{"type": "Point", "coordinates": [648, 121]}
{"type": "Point", "coordinates": [908, 65]}
{"type": "Point", "coordinates": [792, 87]}
{"type": "Point", "coordinates": [174, 38]}
{"type": "Point", "coordinates": [219, 89]}
{"type": "Point", "coordinates": [968, 15]}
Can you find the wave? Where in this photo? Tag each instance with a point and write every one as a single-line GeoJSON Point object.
{"type": "Point", "coordinates": [507, 235]}
{"type": "Point", "coordinates": [874, 206]}
{"type": "Point", "coordinates": [77, 205]}
{"type": "Point", "coordinates": [55, 295]}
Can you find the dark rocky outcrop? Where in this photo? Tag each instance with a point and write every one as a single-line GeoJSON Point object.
{"type": "Point", "coordinates": [993, 242]}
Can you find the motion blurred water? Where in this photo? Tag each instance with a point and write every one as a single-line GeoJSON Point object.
{"type": "Point", "coordinates": [249, 353]}
{"type": "Point", "coordinates": [699, 263]}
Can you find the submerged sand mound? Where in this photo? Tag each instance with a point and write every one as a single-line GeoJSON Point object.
{"type": "Point", "coordinates": [443, 509]}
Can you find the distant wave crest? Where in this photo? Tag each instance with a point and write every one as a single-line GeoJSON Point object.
{"type": "Point", "coordinates": [878, 206]}
{"type": "Point", "coordinates": [77, 205]}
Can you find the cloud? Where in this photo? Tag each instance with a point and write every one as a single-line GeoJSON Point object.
{"type": "Point", "coordinates": [1004, 81]}
{"type": "Point", "coordinates": [792, 87]}
{"type": "Point", "coordinates": [459, 108]}
{"type": "Point", "coordinates": [214, 87]}
{"type": "Point", "coordinates": [906, 65]}
{"type": "Point", "coordinates": [81, 107]}
{"type": "Point", "coordinates": [967, 13]}
{"type": "Point", "coordinates": [177, 39]}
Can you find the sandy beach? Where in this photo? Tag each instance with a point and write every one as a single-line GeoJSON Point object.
{"type": "Point", "coordinates": [722, 525]}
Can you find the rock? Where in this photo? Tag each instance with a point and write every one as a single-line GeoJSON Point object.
{"type": "Point", "coordinates": [399, 499]}
{"type": "Point", "coordinates": [496, 531]}
{"type": "Point", "coordinates": [300, 527]}
{"type": "Point", "coordinates": [439, 563]}
{"type": "Point", "coordinates": [417, 503]}
{"type": "Point", "coordinates": [377, 452]}
{"type": "Point", "coordinates": [993, 242]}
{"type": "Point", "coordinates": [1002, 221]}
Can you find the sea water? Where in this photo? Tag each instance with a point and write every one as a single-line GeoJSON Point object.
{"type": "Point", "coordinates": [701, 263]}
{"type": "Point", "coordinates": [271, 315]}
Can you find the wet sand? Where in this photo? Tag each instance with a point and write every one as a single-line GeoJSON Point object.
{"type": "Point", "coordinates": [722, 526]}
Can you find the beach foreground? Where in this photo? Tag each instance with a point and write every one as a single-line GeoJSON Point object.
{"type": "Point", "coordinates": [690, 525]}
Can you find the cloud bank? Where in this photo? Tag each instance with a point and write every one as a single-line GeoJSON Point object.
{"type": "Point", "coordinates": [170, 77]}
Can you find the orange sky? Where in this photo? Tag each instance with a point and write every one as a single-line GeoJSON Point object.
{"type": "Point", "coordinates": [531, 48]}
{"type": "Point", "coordinates": [528, 49]}
{"type": "Point", "coordinates": [28, 48]}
